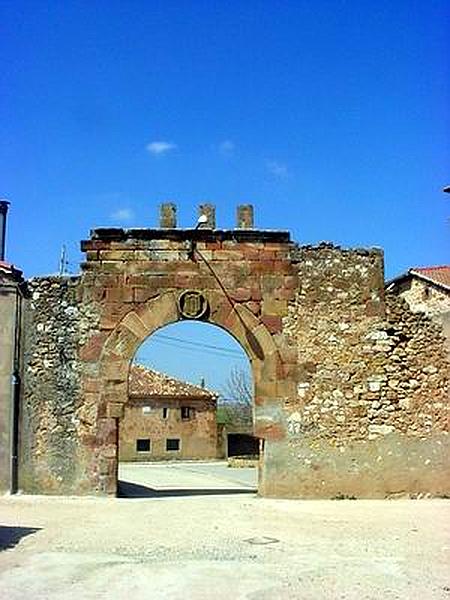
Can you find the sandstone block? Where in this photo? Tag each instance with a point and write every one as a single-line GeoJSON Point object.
{"type": "Point", "coordinates": [272, 322]}
{"type": "Point", "coordinates": [115, 410]}
{"type": "Point", "coordinates": [274, 307]}
{"type": "Point", "coordinates": [91, 350]}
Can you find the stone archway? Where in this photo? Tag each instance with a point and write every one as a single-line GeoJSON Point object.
{"type": "Point", "coordinates": [133, 283]}
{"type": "Point", "coordinates": [323, 339]}
{"type": "Point", "coordinates": [123, 341]}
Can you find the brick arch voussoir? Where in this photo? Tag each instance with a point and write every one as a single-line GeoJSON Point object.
{"type": "Point", "coordinates": [244, 326]}
{"type": "Point", "coordinates": [123, 342]}
{"type": "Point", "coordinates": [139, 323]}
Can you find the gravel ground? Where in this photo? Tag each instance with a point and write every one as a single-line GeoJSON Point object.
{"type": "Point", "coordinates": [224, 544]}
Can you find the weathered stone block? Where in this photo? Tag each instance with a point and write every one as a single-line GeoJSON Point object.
{"type": "Point", "coordinates": [134, 323]}
{"type": "Point", "coordinates": [115, 410]}
{"type": "Point", "coordinates": [91, 350]}
{"type": "Point", "coordinates": [272, 322]}
{"type": "Point", "coordinates": [168, 215]}
{"type": "Point", "coordinates": [273, 307]}
{"type": "Point", "coordinates": [244, 216]}
{"type": "Point", "coordinates": [227, 255]}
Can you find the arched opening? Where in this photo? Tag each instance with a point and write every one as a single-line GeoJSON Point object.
{"type": "Point", "coordinates": [271, 382]}
{"type": "Point", "coordinates": [188, 422]}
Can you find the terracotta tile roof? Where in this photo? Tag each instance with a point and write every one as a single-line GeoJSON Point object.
{"type": "Point", "coordinates": [437, 275]}
{"type": "Point", "coordinates": [146, 382]}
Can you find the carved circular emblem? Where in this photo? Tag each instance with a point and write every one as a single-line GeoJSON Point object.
{"type": "Point", "coordinates": [192, 304]}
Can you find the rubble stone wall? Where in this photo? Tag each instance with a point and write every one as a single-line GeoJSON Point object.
{"type": "Point", "coordinates": [370, 417]}
{"type": "Point", "coordinates": [53, 407]}
{"type": "Point", "coordinates": [423, 296]}
{"type": "Point", "coordinates": [351, 387]}
{"type": "Point", "coordinates": [428, 298]}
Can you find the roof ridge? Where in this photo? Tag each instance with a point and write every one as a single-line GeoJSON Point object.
{"type": "Point", "coordinates": [434, 268]}
{"type": "Point", "coordinates": [168, 377]}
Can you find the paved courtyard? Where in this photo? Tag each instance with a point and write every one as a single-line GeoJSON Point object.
{"type": "Point", "coordinates": [198, 531]}
{"type": "Point", "coordinates": [161, 480]}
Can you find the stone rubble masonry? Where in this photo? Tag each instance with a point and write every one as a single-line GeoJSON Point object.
{"type": "Point", "coordinates": [55, 408]}
{"type": "Point", "coordinates": [370, 371]}
{"type": "Point", "coordinates": [351, 387]}
{"type": "Point", "coordinates": [427, 297]}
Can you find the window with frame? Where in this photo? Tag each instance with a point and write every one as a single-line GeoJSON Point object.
{"type": "Point", "coordinates": [165, 413]}
{"type": "Point", "coordinates": [143, 445]}
{"type": "Point", "coordinates": [172, 444]}
{"type": "Point", "coordinates": [187, 412]}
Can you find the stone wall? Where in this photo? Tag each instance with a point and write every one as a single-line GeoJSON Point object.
{"type": "Point", "coordinates": [370, 417]}
{"type": "Point", "coordinates": [428, 298]}
{"type": "Point", "coordinates": [136, 279]}
{"type": "Point", "coordinates": [351, 387]}
{"type": "Point", "coordinates": [53, 408]}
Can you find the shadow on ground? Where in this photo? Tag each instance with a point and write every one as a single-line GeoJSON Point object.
{"type": "Point", "coordinates": [127, 489]}
{"type": "Point", "coordinates": [11, 536]}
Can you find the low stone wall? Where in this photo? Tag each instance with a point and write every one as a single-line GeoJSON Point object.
{"type": "Point", "coordinates": [242, 462]}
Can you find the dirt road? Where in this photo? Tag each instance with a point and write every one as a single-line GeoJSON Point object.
{"type": "Point", "coordinates": [224, 544]}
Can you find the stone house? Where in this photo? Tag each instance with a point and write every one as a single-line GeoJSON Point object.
{"type": "Point", "coordinates": [426, 290]}
{"type": "Point", "coordinates": [166, 418]}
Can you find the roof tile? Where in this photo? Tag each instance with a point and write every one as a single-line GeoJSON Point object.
{"type": "Point", "coordinates": [438, 275]}
{"type": "Point", "coordinates": [147, 382]}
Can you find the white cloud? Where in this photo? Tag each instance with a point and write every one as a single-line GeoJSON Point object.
{"type": "Point", "coordinates": [123, 215]}
{"type": "Point", "coordinates": [158, 148]}
{"type": "Point", "coordinates": [227, 147]}
{"type": "Point", "coordinates": [278, 169]}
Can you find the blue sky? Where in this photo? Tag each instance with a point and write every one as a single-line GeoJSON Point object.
{"type": "Point", "coordinates": [332, 118]}
{"type": "Point", "coordinates": [195, 351]}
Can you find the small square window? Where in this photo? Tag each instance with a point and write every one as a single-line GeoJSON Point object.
{"type": "Point", "coordinates": [165, 413]}
{"type": "Point", "coordinates": [173, 444]}
{"type": "Point", "coordinates": [146, 410]}
{"type": "Point", "coordinates": [187, 413]}
{"type": "Point", "coordinates": [143, 445]}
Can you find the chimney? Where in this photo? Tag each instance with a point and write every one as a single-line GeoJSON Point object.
{"type": "Point", "coordinates": [244, 216]}
{"type": "Point", "coordinates": [209, 210]}
{"type": "Point", "coordinates": [168, 215]}
{"type": "Point", "coordinates": [4, 204]}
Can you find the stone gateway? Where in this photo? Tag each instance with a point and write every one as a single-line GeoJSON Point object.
{"type": "Point", "coordinates": [350, 387]}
